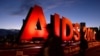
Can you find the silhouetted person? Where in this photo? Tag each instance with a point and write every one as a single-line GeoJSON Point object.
{"type": "Point", "coordinates": [83, 43]}
{"type": "Point", "coordinates": [52, 46]}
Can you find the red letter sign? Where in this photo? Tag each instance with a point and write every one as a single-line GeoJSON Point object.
{"type": "Point", "coordinates": [55, 21]}
{"type": "Point", "coordinates": [76, 32]}
{"type": "Point", "coordinates": [30, 30]}
{"type": "Point", "coordinates": [67, 28]}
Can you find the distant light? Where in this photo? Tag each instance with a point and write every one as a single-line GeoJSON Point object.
{"type": "Point", "coordinates": [37, 47]}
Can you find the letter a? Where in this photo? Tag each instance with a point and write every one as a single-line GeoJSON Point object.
{"type": "Point", "coordinates": [29, 29]}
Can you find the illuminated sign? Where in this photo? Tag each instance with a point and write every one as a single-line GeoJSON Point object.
{"type": "Point", "coordinates": [63, 26]}
{"type": "Point", "coordinates": [30, 30]}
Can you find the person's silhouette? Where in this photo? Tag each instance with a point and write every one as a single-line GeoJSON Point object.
{"type": "Point", "coordinates": [83, 43]}
{"type": "Point", "coordinates": [52, 46]}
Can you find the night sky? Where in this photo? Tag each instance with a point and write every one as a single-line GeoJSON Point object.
{"type": "Point", "coordinates": [12, 12]}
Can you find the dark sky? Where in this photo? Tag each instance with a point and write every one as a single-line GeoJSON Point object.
{"type": "Point", "coordinates": [13, 11]}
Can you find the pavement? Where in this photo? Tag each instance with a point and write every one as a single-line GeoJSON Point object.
{"type": "Point", "coordinates": [93, 51]}
{"type": "Point", "coordinates": [90, 52]}
{"type": "Point", "coordinates": [32, 50]}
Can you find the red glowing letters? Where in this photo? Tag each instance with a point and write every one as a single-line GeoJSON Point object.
{"type": "Point", "coordinates": [66, 34]}
{"type": "Point", "coordinates": [61, 27]}
{"type": "Point", "coordinates": [76, 30]}
{"type": "Point", "coordinates": [36, 15]}
{"type": "Point", "coordinates": [55, 22]}
{"type": "Point", "coordinates": [30, 30]}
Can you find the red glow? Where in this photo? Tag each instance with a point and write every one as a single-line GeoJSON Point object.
{"type": "Point", "coordinates": [60, 27]}
{"type": "Point", "coordinates": [30, 30]}
{"type": "Point", "coordinates": [66, 21]}
{"type": "Point", "coordinates": [76, 31]}
{"type": "Point", "coordinates": [56, 25]}
{"type": "Point", "coordinates": [89, 34]}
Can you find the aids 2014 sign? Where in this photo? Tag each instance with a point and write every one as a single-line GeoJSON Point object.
{"type": "Point", "coordinates": [62, 27]}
